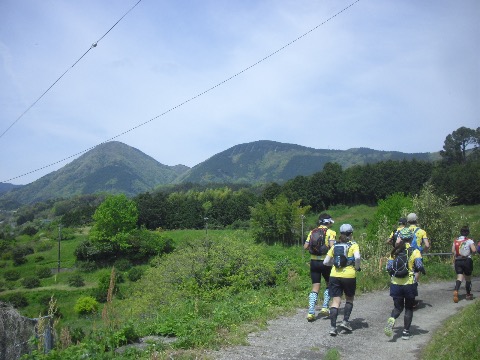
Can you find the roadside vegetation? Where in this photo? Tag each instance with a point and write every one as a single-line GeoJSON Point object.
{"type": "Point", "coordinates": [201, 269]}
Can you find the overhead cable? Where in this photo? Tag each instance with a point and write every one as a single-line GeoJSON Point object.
{"type": "Point", "coordinates": [75, 63]}
{"type": "Point", "coordinates": [194, 97]}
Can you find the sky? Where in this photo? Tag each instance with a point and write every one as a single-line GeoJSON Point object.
{"type": "Point", "coordinates": [183, 80]}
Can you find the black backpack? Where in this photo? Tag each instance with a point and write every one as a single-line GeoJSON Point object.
{"type": "Point", "coordinates": [400, 264]}
{"type": "Point", "coordinates": [316, 244]}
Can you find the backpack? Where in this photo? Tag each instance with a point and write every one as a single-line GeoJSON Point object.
{"type": "Point", "coordinates": [461, 247]}
{"type": "Point", "coordinates": [316, 244]}
{"type": "Point", "coordinates": [340, 255]}
{"type": "Point", "coordinates": [414, 243]}
{"type": "Point", "coordinates": [399, 267]}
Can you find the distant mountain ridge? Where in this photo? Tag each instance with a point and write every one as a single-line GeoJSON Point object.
{"type": "Point", "coordinates": [268, 161]}
{"type": "Point", "coordinates": [112, 167]}
{"type": "Point", "coordinates": [115, 167]}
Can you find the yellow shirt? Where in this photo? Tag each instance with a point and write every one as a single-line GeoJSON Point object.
{"type": "Point", "coordinates": [349, 271]}
{"type": "Point", "coordinates": [330, 235]}
{"type": "Point", "coordinates": [420, 234]}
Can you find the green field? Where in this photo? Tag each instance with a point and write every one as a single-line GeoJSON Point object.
{"type": "Point", "coordinates": [213, 290]}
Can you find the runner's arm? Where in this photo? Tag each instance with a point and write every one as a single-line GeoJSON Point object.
{"type": "Point", "coordinates": [356, 255]}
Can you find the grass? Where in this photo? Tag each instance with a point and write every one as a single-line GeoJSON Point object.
{"type": "Point", "coordinates": [216, 321]}
{"type": "Point", "coordinates": [458, 338]}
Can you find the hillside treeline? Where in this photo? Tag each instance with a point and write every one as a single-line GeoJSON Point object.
{"type": "Point", "coordinates": [366, 184]}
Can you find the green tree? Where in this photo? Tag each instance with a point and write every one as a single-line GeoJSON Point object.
{"type": "Point", "coordinates": [277, 221]}
{"type": "Point", "coordinates": [114, 220]}
{"type": "Point", "coordinates": [456, 145]}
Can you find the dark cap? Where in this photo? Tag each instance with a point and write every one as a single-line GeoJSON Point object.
{"type": "Point", "coordinates": [402, 221]}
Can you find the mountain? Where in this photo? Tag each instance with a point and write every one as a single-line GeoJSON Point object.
{"type": "Point", "coordinates": [111, 167]}
{"type": "Point", "coordinates": [114, 167]}
{"type": "Point", "coordinates": [271, 161]}
{"type": "Point", "coordinates": [5, 187]}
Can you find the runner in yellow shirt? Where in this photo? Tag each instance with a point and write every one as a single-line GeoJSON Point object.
{"type": "Point", "coordinates": [345, 258]}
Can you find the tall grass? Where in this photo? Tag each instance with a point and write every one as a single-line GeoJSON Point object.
{"type": "Point", "coordinates": [458, 338]}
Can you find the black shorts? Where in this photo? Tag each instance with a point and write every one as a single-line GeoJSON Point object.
{"type": "Point", "coordinates": [464, 266]}
{"type": "Point", "coordinates": [317, 270]}
{"type": "Point", "coordinates": [339, 286]}
{"type": "Point", "coordinates": [409, 291]}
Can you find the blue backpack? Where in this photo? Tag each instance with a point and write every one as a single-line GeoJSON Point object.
{"type": "Point", "coordinates": [414, 243]}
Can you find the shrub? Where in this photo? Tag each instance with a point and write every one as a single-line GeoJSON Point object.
{"type": "Point", "coordinates": [17, 300]}
{"type": "Point", "coordinates": [11, 275]}
{"type": "Point", "coordinates": [122, 264]}
{"type": "Point", "coordinates": [86, 266]}
{"type": "Point", "coordinates": [44, 245]}
{"type": "Point", "coordinates": [31, 282]}
{"type": "Point", "coordinates": [29, 230]}
{"type": "Point", "coordinates": [86, 305]}
{"type": "Point", "coordinates": [76, 280]}
{"type": "Point", "coordinates": [43, 272]}
{"type": "Point", "coordinates": [135, 274]}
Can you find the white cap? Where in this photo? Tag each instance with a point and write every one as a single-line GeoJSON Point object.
{"type": "Point", "coordinates": [346, 228]}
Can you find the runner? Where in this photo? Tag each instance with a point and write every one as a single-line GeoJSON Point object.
{"type": "Point", "coordinates": [462, 249]}
{"type": "Point", "coordinates": [318, 269]}
{"type": "Point", "coordinates": [403, 284]}
{"type": "Point", "coordinates": [345, 256]}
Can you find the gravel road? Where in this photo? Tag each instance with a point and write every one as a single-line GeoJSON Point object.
{"type": "Point", "coordinates": [293, 337]}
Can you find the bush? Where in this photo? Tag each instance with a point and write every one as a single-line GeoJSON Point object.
{"type": "Point", "coordinates": [86, 305]}
{"type": "Point", "coordinates": [43, 272]}
{"type": "Point", "coordinates": [122, 265]}
{"type": "Point", "coordinates": [44, 245]}
{"type": "Point", "coordinates": [31, 282]}
{"type": "Point", "coordinates": [86, 266]}
{"type": "Point", "coordinates": [17, 300]}
{"type": "Point", "coordinates": [29, 230]}
{"type": "Point", "coordinates": [11, 275]}
{"type": "Point", "coordinates": [135, 274]}
{"type": "Point", "coordinates": [76, 280]}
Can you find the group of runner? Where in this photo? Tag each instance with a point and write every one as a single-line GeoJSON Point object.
{"type": "Point", "coordinates": [339, 261]}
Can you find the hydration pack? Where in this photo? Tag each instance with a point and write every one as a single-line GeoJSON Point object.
{"type": "Point", "coordinates": [340, 255]}
{"type": "Point", "coordinates": [316, 244]}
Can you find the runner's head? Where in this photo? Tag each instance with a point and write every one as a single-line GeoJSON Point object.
{"type": "Point", "coordinates": [347, 230]}
{"type": "Point", "coordinates": [412, 218]}
{"type": "Point", "coordinates": [325, 219]}
{"type": "Point", "coordinates": [464, 231]}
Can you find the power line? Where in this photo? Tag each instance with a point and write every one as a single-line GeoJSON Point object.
{"type": "Point", "coordinates": [194, 97]}
{"type": "Point", "coordinates": [75, 63]}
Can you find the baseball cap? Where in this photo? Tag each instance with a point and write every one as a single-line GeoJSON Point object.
{"type": "Point", "coordinates": [411, 217]}
{"type": "Point", "coordinates": [402, 220]}
{"type": "Point", "coordinates": [346, 228]}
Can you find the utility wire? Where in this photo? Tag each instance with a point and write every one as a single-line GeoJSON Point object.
{"type": "Point", "coordinates": [192, 98]}
{"type": "Point", "coordinates": [75, 63]}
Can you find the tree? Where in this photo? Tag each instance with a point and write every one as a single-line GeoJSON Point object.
{"type": "Point", "coordinates": [457, 143]}
{"type": "Point", "coordinates": [114, 220]}
{"type": "Point", "coordinates": [277, 221]}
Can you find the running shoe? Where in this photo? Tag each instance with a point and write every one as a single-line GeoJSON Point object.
{"type": "Point", "coordinates": [389, 328]}
{"type": "Point", "coordinates": [325, 311]}
{"type": "Point", "coordinates": [469, 297]}
{"type": "Point", "coordinates": [455, 296]}
{"type": "Point", "coordinates": [406, 335]}
{"type": "Point", "coordinates": [346, 325]}
{"type": "Point", "coordinates": [310, 317]}
{"type": "Point", "coordinates": [333, 331]}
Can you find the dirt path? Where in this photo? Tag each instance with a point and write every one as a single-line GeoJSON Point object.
{"type": "Point", "coordinates": [294, 338]}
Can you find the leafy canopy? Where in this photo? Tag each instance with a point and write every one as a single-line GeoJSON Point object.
{"type": "Point", "coordinates": [114, 220]}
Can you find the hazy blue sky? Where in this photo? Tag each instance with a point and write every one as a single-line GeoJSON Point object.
{"type": "Point", "coordinates": [384, 74]}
